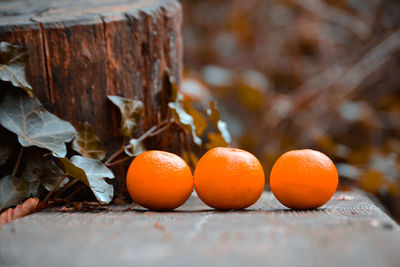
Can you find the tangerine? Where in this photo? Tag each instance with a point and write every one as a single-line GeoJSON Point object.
{"type": "Point", "coordinates": [159, 180]}
{"type": "Point", "coordinates": [304, 179]}
{"type": "Point", "coordinates": [229, 178]}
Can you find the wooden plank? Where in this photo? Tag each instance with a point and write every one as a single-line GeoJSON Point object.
{"type": "Point", "coordinates": [349, 231]}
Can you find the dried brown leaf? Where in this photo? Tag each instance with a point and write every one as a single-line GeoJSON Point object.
{"type": "Point", "coordinates": [214, 117]}
{"type": "Point", "coordinates": [198, 119]}
{"type": "Point", "coordinates": [216, 140]}
{"type": "Point", "coordinates": [88, 144]}
{"type": "Point", "coordinates": [21, 210]}
{"type": "Point", "coordinates": [131, 111]}
{"type": "Point", "coordinates": [185, 119]}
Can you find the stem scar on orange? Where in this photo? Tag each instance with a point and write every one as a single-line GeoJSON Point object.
{"type": "Point", "coordinates": [304, 179]}
{"type": "Point", "coordinates": [229, 179]}
{"type": "Point", "coordinates": [159, 180]}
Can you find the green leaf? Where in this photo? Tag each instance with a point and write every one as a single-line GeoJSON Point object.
{"type": "Point", "coordinates": [5, 152]}
{"type": "Point", "coordinates": [134, 148]}
{"type": "Point", "coordinates": [214, 117]}
{"type": "Point", "coordinates": [12, 66]}
{"type": "Point", "coordinates": [12, 190]}
{"type": "Point", "coordinates": [34, 125]}
{"type": "Point", "coordinates": [44, 171]}
{"type": "Point", "coordinates": [198, 119]}
{"type": "Point", "coordinates": [185, 120]}
{"type": "Point", "coordinates": [88, 144]}
{"type": "Point", "coordinates": [92, 173]}
{"type": "Point", "coordinates": [131, 111]}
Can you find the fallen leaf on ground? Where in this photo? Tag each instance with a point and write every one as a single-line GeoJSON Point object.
{"type": "Point", "coordinates": [26, 208]}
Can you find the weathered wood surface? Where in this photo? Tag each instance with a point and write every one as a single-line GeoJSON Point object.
{"type": "Point", "coordinates": [349, 231]}
{"type": "Point", "coordinates": [82, 51]}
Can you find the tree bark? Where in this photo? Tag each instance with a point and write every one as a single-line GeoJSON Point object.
{"type": "Point", "coordinates": [82, 51]}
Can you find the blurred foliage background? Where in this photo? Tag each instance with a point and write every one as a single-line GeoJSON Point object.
{"type": "Point", "coordinates": [291, 74]}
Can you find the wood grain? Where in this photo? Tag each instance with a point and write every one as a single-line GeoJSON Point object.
{"type": "Point", "coordinates": [349, 231]}
{"type": "Point", "coordinates": [82, 51]}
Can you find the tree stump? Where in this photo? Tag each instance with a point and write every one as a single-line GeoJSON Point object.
{"type": "Point", "coordinates": [82, 51]}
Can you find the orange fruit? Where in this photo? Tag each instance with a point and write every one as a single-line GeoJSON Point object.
{"type": "Point", "coordinates": [159, 180]}
{"type": "Point", "coordinates": [229, 178]}
{"type": "Point", "coordinates": [304, 179]}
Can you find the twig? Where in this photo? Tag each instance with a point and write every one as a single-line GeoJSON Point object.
{"type": "Point", "coordinates": [166, 126]}
{"type": "Point", "coordinates": [180, 126]}
{"type": "Point", "coordinates": [117, 162]}
{"type": "Point", "coordinates": [65, 188]}
{"type": "Point", "coordinates": [68, 197]}
{"type": "Point", "coordinates": [334, 15]}
{"type": "Point", "coordinates": [43, 203]}
{"type": "Point", "coordinates": [148, 133]}
{"type": "Point", "coordinates": [115, 155]}
{"type": "Point", "coordinates": [345, 77]}
{"type": "Point", "coordinates": [14, 172]}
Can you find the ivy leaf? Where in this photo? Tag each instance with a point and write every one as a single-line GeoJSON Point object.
{"type": "Point", "coordinates": [135, 148]}
{"type": "Point", "coordinates": [12, 66]}
{"type": "Point", "coordinates": [74, 171]}
{"type": "Point", "coordinates": [12, 190]}
{"type": "Point", "coordinates": [92, 173]}
{"type": "Point", "coordinates": [131, 110]}
{"type": "Point", "coordinates": [185, 120]}
{"type": "Point", "coordinates": [34, 125]}
{"type": "Point", "coordinates": [216, 140]}
{"type": "Point", "coordinates": [44, 171]}
{"type": "Point", "coordinates": [222, 127]}
{"type": "Point", "coordinates": [198, 119]}
{"type": "Point", "coordinates": [5, 152]}
{"type": "Point", "coordinates": [88, 144]}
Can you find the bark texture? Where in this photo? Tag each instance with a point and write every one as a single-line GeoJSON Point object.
{"type": "Point", "coordinates": [82, 51]}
